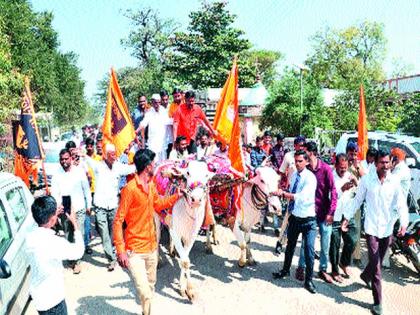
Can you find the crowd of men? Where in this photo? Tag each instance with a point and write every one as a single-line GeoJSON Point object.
{"type": "Point", "coordinates": [121, 193]}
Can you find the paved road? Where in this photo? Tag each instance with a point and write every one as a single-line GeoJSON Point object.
{"type": "Point", "coordinates": [224, 288]}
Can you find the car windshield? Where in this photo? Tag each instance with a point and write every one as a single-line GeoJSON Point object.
{"type": "Point", "coordinates": [52, 155]}
{"type": "Point", "coordinates": [416, 145]}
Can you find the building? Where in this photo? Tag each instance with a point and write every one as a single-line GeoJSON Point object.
{"type": "Point", "coordinates": [251, 103]}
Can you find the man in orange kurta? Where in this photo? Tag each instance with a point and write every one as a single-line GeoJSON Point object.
{"type": "Point", "coordinates": [137, 245]}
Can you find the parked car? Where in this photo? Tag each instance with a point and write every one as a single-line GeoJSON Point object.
{"type": "Point", "coordinates": [386, 140]}
{"type": "Point", "coordinates": [15, 222]}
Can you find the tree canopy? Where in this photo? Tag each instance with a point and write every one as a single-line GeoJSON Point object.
{"type": "Point", "coordinates": [30, 46]}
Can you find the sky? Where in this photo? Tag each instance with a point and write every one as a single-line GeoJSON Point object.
{"type": "Point", "coordinates": [93, 29]}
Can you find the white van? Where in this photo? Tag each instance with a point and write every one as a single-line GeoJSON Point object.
{"type": "Point", "coordinates": [387, 141]}
{"type": "Point", "coordinates": [15, 222]}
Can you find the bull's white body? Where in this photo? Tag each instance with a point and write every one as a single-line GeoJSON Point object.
{"type": "Point", "coordinates": [187, 218]}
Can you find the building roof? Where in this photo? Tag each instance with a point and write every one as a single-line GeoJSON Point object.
{"type": "Point", "coordinates": [254, 96]}
{"type": "Point", "coordinates": [403, 85]}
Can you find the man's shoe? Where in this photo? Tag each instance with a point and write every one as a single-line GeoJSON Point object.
{"type": "Point", "coordinates": [276, 232]}
{"type": "Point", "coordinates": [325, 276]}
{"type": "Point", "coordinates": [77, 269]}
{"type": "Point", "coordinates": [278, 248]}
{"type": "Point", "coordinates": [281, 275]}
{"type": "Point", "coordinates": [310, 287]}
{"type": "Point", "coordinates": [336, 277]}
{"type": "Point", "coordinates": [300, 274]}
{"type": "Point", "coordinates": [112, 265]}
{"type": "Point", "coordinates": [88, 250]}
{"type": "Point", "coordinates": [261, 229]}
{"type": "Point", "coordinates": [346, 271]}
{"type": "Point", "coordinates": [365, 281]}
{"type": "Point", "coordinates": [376, 309]}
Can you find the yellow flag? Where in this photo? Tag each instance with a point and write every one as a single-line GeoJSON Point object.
{"type": "Point", "coordinates": [117, 127]}
{"type": "Point", "coordinates": [362, 133]}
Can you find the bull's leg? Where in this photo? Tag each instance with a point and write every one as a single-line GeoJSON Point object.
{"type": "Point", "coordinates": [242, 244]}
{"type": "Point", "coordinates": [184, 260]}
{"type": "Point", "coordinates": [213, 230]}
{"type": "Point", "coordinates": [156, 219]}
{"type": "Point", "coordinates": [189, 291]}
{"type": "Point", "coordinates": [250, 260]}
{"type": "Point", "coordinates": [209, 249]}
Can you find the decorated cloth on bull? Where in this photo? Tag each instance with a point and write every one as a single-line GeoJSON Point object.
{"type": "Point", "coordinates": [222, 197]}
{"type": "Point", "coordinates": [167, 183]}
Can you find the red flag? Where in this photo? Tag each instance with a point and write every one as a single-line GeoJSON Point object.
{"type": "Point", "coordinates": [362, 134]}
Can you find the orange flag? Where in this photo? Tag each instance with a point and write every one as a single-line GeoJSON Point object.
{"type": "Point", "coordinates": [26, 140]}
{"type": "Point", "coordinates": [117, 127]}
{"type": "Point", "coordinates": [362, 134]}
{"type": "Point", "coordinates": [226, 120]}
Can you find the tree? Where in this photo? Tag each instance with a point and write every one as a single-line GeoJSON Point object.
{"type": "Point", "coordinates": [34, 52]}
{"type": "Point", "coordinates": [410, 115]}
{"type": "Point", "coordinates": [203, 56]}
{"type": "Point", "coordinates": [382, 108]}
{"type": "Point", "coordinates": [343, 59]}
{"type": "Point", "coordinates": [282, 112]}
{"type": "Point", "coordinates": [150, 37]}
{"type": "Point", "coordinates": [11, 81]}
{"type": "Point", "coordinates": [259, 62]}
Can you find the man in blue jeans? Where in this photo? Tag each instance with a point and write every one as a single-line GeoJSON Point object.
{"type": "Point", "coordinates": [302, 219]}
{"type": "Point", "coordinates": [325, 205]}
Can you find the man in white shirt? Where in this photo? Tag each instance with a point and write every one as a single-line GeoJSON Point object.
{"type": "Point", "coordinates": [205, 148]}
{"type": "Point", "coordinates": [157, 120]}
{"type": "Point", "coordinates": [46, 252]}
{"type": "Point", "coordinates": [302, 219]}
{"type": "Point", "coordinates": [402, 172]}
{"type": "Point", "coordinates": [383, 194]}
{"type": "Point", "coordinates": [71, 182]}
{"type": "Point", "coordinates": [345, 185]}
{"type": "Point", "coordinates": [287, 167]}
{"type": "Point", "coordinates": [369, 163]}
{"type": "Point", "coordinates": [180, 152]}
{"type": "Point", "coordinates": [107, 176]}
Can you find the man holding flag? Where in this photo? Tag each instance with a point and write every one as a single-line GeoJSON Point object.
{"type": "Point", "coordinates": [118, 133]}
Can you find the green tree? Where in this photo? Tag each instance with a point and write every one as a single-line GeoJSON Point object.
{"type": "Point", "coordinates": [283, 113]}
{"type": "Point", "coordinates": [345, 58]}
{"type": "Point", "coordinates": [34, 51]}
{"type": "Point", "coordinates": [410, 115]}
{"type": "Point", "coordinates": [382, 108]}
{"type": "Point", "coordinates": [11, 82]}
{"type": "Point", "coordinates": [203, 55]}
{"type": "Point", "coordinates": [259, 62]}
{"type": "Point", "coordinates": [150, 37]}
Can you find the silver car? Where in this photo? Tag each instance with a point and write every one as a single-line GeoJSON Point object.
{"type": "Point", "coordinates": [15, 222]}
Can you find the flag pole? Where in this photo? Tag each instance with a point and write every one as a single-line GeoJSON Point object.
{"type": "Point", "coordinates": [44, 174]}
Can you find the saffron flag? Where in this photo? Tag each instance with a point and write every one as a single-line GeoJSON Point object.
{"type": "Point", "coordinates": [226, 121]}
{"type": "Point", "coordinates": [26, 140]}
{"type": "Point", "coordinates": [362, 134]}
{"type": "Point", "coordinates": [227, 125]}
{"type": "Point", "coordinates": [117, 127]}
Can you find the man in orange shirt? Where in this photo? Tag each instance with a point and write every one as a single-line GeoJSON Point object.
{"type": "Point", "coordinates": [177, 100]}
{"type": "Point", "coordinates": [186, 120]}
{"type": "Point", "coordinates": [137, 245]}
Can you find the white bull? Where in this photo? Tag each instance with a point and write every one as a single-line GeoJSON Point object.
{"type": "Point", "coordinates": [187, 217]}
{"type": "Point", "coordinates": [255, 198]}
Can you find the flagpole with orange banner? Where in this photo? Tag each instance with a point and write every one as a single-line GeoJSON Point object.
{"type": "Point", "coordinates": [227, 125]}
{"type": "Point", "coordinates": [26, 140]}
{"type": "Point", "coordinates": [117, 127]}
{"type": "Point", "coordinates": [362, 133]}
